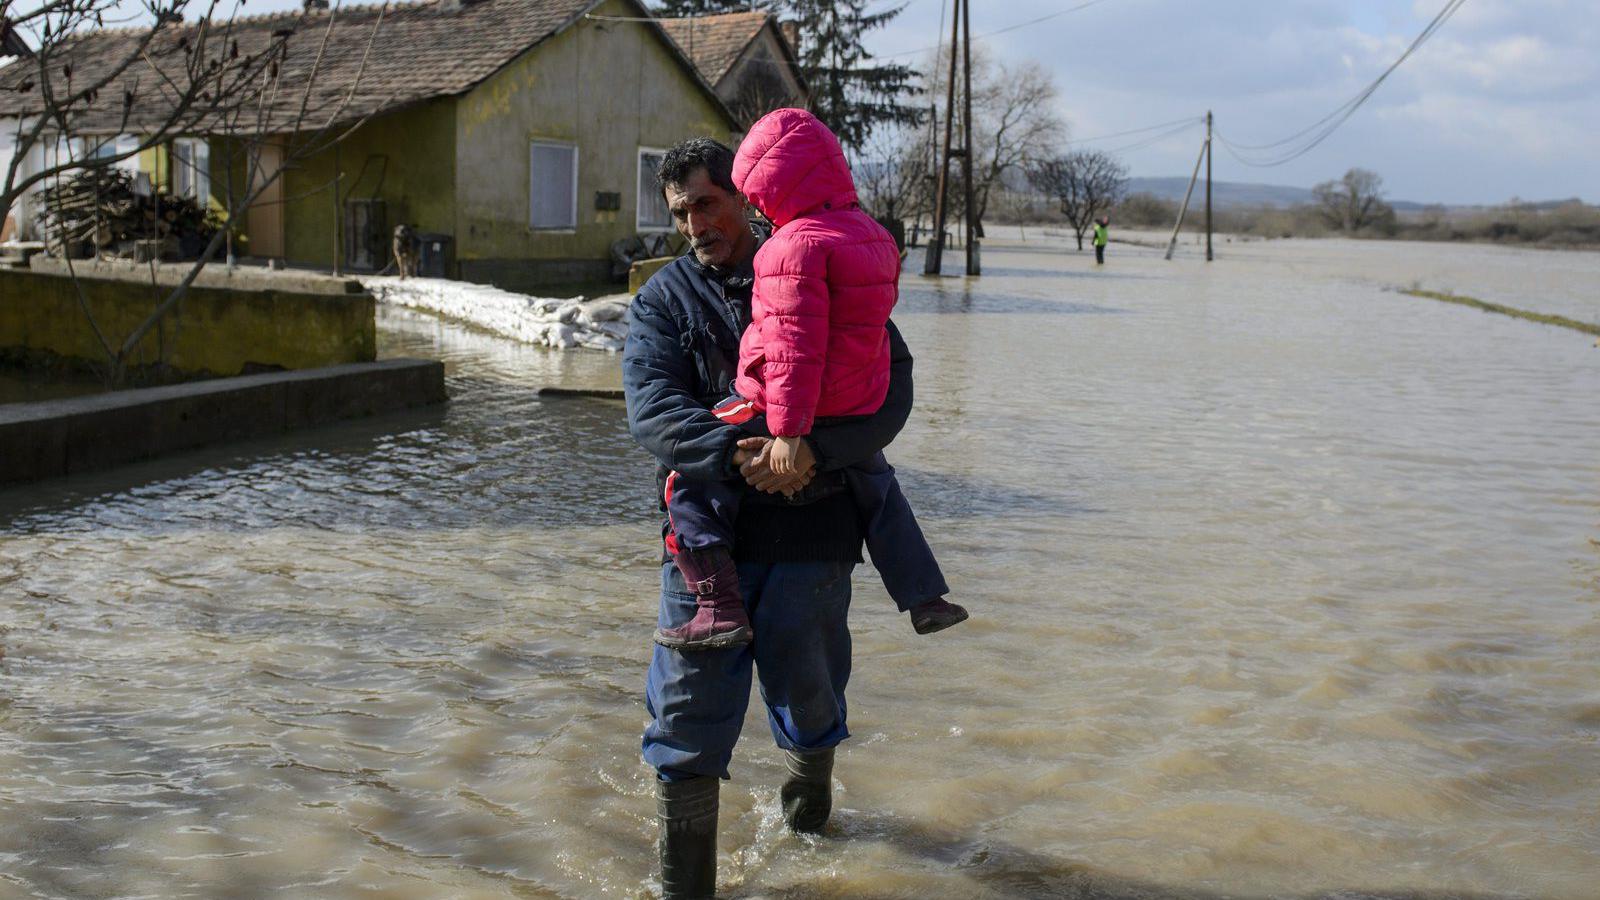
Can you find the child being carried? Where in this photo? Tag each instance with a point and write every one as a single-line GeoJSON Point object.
{"type": "Point", "coordinates": [817, 346]}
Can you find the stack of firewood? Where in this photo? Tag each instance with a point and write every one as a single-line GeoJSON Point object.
{"type": "Point", "coordinates": [98, 211]}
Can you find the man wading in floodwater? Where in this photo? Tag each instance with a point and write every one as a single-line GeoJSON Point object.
{"type": "Point", "coordinates": [797, 537]}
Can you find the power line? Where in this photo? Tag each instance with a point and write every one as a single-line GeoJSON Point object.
{"type": "Point", "coordinates": [1141, 144]}
{"type": "Point", "coordinates": [1324, 127]}
{"type": "Point", "coordinates": [1045, 18]}
{"type": "Point", "coordinates": [1185, 122]}
{"type": "Point", "coordinates": [990, 34]}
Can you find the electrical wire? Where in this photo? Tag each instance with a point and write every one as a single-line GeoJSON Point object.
{"type": "Point", "coordinates": [989, 34]}
{"type": "Point", "coordinates": [1045, 18]}
{"type": "Point", "coordinates": [1185, 123]}
{"type": "Point", "coordinates": [1324, 127]}
{"type": "Point", "coordinates": [1141, 144]}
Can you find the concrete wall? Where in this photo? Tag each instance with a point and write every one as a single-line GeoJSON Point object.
{"type": "Point", "coordinates": [608, 87]}
{"type": "Point", "coordinates": [215, 330]}
{"type": "Point", "coordinates": [61, 437]}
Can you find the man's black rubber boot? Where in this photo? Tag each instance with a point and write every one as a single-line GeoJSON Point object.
{"type": "Point", "coordinates": [808, 793]}
{"type": "Point", "coordinates": [688, 814]}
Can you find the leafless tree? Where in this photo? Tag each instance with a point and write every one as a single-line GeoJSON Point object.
{"type": "Point", "coordinates": [892, 170]}
{"type": "Point", "coordinates": [1014, 121]}
{"type": "Point", "coordinates": [1353, 203]}
{"type": "Point", "coordinates": [1086, 184]}
{"type": "Point", "coordinates": [207, 76]}
{"type": "Point", "coordinates": [77, 92]}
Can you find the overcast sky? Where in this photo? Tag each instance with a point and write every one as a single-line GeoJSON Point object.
{"type": "Point", "coordinates": [1505, 101]}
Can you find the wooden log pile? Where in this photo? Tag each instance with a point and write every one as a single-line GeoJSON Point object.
{"type": "Point", "coordinates": [99, 212]}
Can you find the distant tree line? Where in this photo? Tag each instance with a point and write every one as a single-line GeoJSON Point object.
{"type": "Point", "coordinates": [1353, 206]}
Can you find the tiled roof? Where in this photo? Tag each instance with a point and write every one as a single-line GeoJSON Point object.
{"type": "Point", "coordinates": [715, 42]}
{"type": "Point", "coordinates": [419, 50]}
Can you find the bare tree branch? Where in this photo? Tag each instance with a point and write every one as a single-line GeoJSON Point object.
{"type": "Point", "coordinates": [203, 83]}
{"type": "Point", "coordinates": [1086, 184]}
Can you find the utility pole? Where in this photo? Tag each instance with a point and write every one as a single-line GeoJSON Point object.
{"type": "Point", "coordinates": [1184, 209]}
{"type": "Point", "coordinates": [1209, 256]}
{"type": "Point", "coordinates": [935, 256]}
{"type": "Point", "coordinates": [966, 141]}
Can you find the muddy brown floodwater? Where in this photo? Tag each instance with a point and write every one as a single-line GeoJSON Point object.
{"type": "Point", "coordinates": [1284, 585]}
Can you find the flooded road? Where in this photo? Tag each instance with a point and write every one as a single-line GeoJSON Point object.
{"type": "Point", "coordinates": [1283, 585]}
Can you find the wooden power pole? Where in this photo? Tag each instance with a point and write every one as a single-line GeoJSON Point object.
{"type": "Point", "coordinates": [1184, 209]}
{"type": "Point", "coordinates": [935, 256]}
{"type": "Point", "coordinates": [1209, 256]}
{"type": "Point", "coordinates": [966, 141]}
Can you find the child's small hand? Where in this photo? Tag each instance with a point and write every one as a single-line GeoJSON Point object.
{"type": "Point", "coordinates": [784, 455]}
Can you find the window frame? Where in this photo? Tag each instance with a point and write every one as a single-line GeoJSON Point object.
{"type": "Point", "coordinates": [572, 205]}
{"type": "Point", "coordinates": [195, 170]}
{"type": "Point", "coordinates": [639, 224]}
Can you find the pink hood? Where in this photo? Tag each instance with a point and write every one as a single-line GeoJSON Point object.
{"type": "Point", "coordinates": [825, 281]}
{"type": "Point", "coordinates": [790, 164]}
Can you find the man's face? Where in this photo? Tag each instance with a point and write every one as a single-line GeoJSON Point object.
{"type": "Point", "coordinates": [711, 219]}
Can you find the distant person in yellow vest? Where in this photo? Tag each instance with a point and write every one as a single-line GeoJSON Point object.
{"type": "Point", "coordinates": [1100, 240]}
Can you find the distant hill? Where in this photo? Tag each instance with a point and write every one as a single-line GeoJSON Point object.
{"type": "Point", "coordinates": [1223, 193]}
{"type": "Point", "coordinates": [1235, 194]}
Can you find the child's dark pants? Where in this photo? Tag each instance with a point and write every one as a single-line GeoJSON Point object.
{"type": "Point", "coordinates": [702, 513]}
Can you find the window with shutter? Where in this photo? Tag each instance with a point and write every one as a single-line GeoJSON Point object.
{"type": "Point", "coordinates": [553, 186]}
{"type": "Point", "coordinates": [653, 212]}
{"type": "Point", "coordinates": [191, 169]}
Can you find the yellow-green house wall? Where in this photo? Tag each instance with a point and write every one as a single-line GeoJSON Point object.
{"type": "Point", "coordinates": [153, 162]}
{"type": "Point", "coordinates": [610, 88]}
{"type": "Point", "coordinates": [227, 153]}
{"type": "Point", "coordinates": [406, 158]}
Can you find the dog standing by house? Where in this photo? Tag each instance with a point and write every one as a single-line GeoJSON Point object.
{"type": "Point", "coordinates": [405, 250]}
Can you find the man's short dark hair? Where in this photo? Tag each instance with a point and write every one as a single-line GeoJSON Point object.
{"type": "Point", "coordinates": [698, 153]}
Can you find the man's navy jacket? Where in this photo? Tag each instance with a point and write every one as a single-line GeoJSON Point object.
{"type": "Point", "coordinates": [682, 349]}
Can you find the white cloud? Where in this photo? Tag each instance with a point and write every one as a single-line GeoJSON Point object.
{"type": "Point", "coordinates": [1513, 66]}
{"type": "Point", "coordinates": [1504, 100]}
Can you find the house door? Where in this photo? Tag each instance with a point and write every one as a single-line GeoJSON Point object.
{"type": "Point", "coordinates": [264, 219]}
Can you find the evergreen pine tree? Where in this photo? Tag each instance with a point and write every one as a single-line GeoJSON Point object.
{"type": "Point", "coordinates": [848, 91]}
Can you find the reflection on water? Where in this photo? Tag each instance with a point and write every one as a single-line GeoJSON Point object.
{"type": "Point", "coordinates": [1285, 585]}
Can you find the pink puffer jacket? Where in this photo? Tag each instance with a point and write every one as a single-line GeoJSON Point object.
{"type": "Point", "coordinates": [825, 281]}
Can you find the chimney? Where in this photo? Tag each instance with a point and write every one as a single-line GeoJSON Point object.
{"type": "Point", "coordinates": [791, 33]}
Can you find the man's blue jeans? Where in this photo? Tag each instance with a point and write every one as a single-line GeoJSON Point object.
{"type": "Point", "coordinates": [801, 654]}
